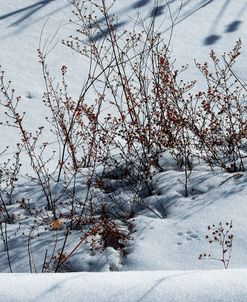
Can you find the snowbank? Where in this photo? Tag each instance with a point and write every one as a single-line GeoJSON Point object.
{"type": "Point", "coordinates": [169, 286]}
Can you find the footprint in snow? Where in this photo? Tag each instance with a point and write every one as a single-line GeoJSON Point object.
{"type": "Point", "coordinates": [188, 236]}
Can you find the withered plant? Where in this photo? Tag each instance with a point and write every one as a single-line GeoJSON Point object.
{"type": "Point", "coordinates": [221, 123]}
{"type": "Point", "coordinates": [138, 79]}
{"type": "Point", "coordinates": [30, 142]}
{"type": "Point", "coordinates": [222, 235]}
{"type": "Point", "coordinates": [9, 174]}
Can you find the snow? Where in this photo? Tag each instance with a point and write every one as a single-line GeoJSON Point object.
{"type": "Point", "coordinates": [161, 261]}
{"type": "Point", "coordinates": [171, 286]}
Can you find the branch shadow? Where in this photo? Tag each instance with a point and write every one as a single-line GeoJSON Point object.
{"type": "Point", "coordinates": [230, 28]}
{"type": "Point", "coordinates": [211, 39]}
{"type": "Point", "coordinates": [233, 26]}
{"type": "Point", "coordinates": [159, 283]}
{"type": "Point", "coordinates": [156, 10]}
{"type": "Point", "coordinates": [28, 10]}
{"type": "Point", "coordinates": [104, 33]}
{"type": "Point", "coordinates": [140, 3]}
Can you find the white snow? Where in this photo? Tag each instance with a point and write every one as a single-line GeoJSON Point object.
{"type": "Point", "coordinates": [154, 286]}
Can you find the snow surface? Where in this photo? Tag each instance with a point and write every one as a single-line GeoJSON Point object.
{"type": "Point", "coordinates": [162, 259]}
{"type": "Point", "coordinates": [170, 286]}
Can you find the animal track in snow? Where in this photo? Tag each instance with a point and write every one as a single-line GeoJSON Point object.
{"type": "Point", "coordinates": [187, 236]}
{"type": "Point", "coordinates": [194, 236]}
